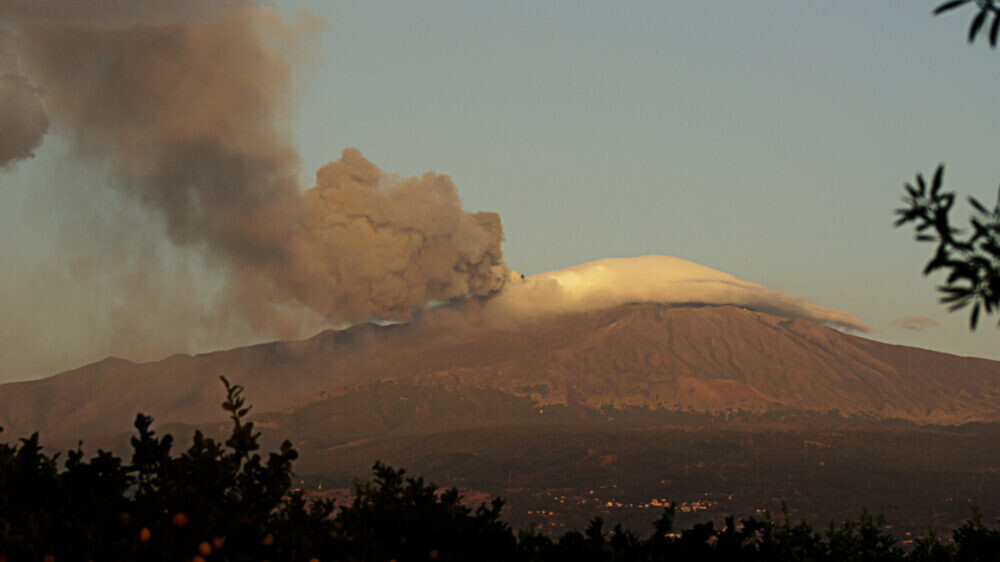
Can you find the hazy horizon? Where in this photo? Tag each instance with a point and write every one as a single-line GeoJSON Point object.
{"type": "Point", "coordinates": [767, 141]}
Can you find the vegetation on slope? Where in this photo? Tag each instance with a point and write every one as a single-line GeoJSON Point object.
{"type": "Point", "coordinates": [227, 501]}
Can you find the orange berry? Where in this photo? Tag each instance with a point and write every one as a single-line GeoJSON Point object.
{"type": "Point", "coordinates": [204, 548]}
{"type": "Point", "coordinates": [48, 558]}
{"type": "Point", "coordinates": [144, 534]}
{"type": "Point", "coordinates": [433, 554]}
{"type": "Point", "coordinates": [314, 559]}
{"type": "Point", "coordinates": [180, 519]}
{"type": "Point", "coordinates": [217, 542]}
{"type": "Point", "coordinates": [268, 540]}
{"type": "Point", "coordinates": [197, 559]}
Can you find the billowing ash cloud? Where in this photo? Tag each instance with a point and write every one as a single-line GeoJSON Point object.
{"type": "Point", "coordinates": [185, 104]}
{"type": "Point", "coordinates": [115, 12]}
{"type": "Point", "coordinates": [915, 323]}
{"type": "Point", "coordinates": [373, 245]}
{"type": "Point", "coordinates": [611, 282]}
{"type": "Point", "coordinates": [23, 122]}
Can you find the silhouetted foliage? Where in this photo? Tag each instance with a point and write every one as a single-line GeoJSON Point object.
{"type": "Point", "coordinates": [225, 500]}
{"type": "Point", "coordinates": [228, 502]}
{"type": "Point", "coordinates": [406, 519]}
{"type": "Point", "coordinates": [972, 261]}
{"type": "Point", "coordinates": [985, 8]}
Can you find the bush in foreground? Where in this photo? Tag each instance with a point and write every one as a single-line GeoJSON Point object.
{"type": "Point", "coordinates": [227, 502]}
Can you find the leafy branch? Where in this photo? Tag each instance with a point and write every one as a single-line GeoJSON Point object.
{"type": "Point", "coordinates": [986, 7]}
{"type": "Point", "coordinates": [972, 261]}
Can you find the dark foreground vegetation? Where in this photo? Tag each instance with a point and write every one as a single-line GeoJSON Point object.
{"type": "Point", "coordinates": [227, 501]}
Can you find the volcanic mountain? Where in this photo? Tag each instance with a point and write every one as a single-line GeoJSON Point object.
{"type": "Point", "coordinates": [650, 356]}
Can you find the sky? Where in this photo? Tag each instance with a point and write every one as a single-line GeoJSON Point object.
{"type": "Point", "coordinates": [767, 140]}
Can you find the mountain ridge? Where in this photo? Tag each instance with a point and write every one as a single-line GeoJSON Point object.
{"type": "Point", "coordinates": [704, 358]}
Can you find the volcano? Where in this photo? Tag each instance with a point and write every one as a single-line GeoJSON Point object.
{"type": "Point", "coordinates": [723, 409]}
{"type": "Point", "coordinates": [708, 359]}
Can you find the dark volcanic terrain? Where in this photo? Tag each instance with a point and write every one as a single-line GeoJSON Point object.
{"type": "Point", "coordinates": [618, 411]}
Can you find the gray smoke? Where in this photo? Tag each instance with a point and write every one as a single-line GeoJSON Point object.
{"type": "Point", "coordinates": [373, 245]}
{"type": "Point", "coordinates": [116, 13]}
{"type": "Point", "coordinates": [23, 122]}
{"type": "Point", "coordinates": [186, 105]}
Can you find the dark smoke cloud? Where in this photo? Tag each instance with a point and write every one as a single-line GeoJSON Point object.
{"type": "Point", "coordinates": [372, 245]}
{"type": "Point", "coordinates": [185, 104]}
{"type": "Point", "coordinates": [115, 12]}
{"type": "Point", "coordinates": [23, 122]}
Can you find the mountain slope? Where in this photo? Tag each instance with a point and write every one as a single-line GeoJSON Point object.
{"type": "Point", "coordinates": [719, 358]}
{"type": "Point", "coordinates": [706, 358]}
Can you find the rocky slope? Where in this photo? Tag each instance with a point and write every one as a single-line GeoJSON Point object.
{"type": "Point", "coordinates": [711, 359]}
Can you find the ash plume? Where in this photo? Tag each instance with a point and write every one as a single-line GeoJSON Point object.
{"type": "Point", "coordinates": [115, 12]}
{"type": "Point", "coordinates": [373, 245]}
{"type": "Point", "coordinates": [23, 121]}
{"type": "Point", "coordinates": [185, 105]}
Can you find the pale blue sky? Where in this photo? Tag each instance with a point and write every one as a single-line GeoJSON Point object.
{"type": "Point", "coordinates": [766, 139]}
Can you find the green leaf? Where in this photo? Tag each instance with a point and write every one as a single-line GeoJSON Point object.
{"type": "Point", "coordinates": [938, 177]}
{"type": "Point", "coordinates": [958, 305]}
{"type": "Point", "coordinates": [975, 202]}
{"type": "Point", "coordinates": [995, 30]}
{"type": "Point", "coordinates": [950, 6]}
{"type": "Point", "coordinates": [954, 298]}
{"type": "Point", "coordinates": [977, 24]}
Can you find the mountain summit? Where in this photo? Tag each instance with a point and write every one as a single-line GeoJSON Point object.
{"type": "Point", "coordinates": [651, 356]}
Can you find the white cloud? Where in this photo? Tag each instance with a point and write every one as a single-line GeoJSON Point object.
{"type": "Point", "coordinates": [615, 281]}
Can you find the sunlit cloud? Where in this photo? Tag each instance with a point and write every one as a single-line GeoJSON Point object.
{"type": "Point", "coordinates": [663, 279]}
{"type": "Point", "coordinates": [915, 323]}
